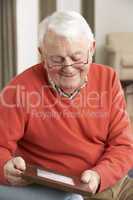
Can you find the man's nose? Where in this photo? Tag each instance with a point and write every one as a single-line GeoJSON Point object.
{"type": "Point", "coordinates": [68, 69]}
{"type": "Point", "coordinates": [68, 62]}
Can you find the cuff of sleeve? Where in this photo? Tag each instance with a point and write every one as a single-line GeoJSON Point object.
{"type": "Point", "coordinates": [106, 180]}
{"type": "Point", "coordinates": [3, 159]}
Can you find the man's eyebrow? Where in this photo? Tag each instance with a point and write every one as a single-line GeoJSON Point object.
{"type": "Point", "coordinates": [56, 55]}
{"type": "Point", "coordinates": [77, 53]}
{"type": "Point", "coordinates": [73, 54]}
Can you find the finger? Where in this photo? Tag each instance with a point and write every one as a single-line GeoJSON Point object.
{"type": "Point", "coordinates": [11, 170]}
{"type": "Point", "coordinates": [19, 163]}
{"type": "Point", "coordinates": [93, 185]}
{"type": "Point", "coordinates": [86, 177]}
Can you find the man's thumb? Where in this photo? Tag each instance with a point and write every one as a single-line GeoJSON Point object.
{"type": "Point", "coordinates": [19, 163]}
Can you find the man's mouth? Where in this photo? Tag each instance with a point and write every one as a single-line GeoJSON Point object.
{"type": "Point", "coordinates": [67, 74]}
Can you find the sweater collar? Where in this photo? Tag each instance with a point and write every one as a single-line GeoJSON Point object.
{"type": "Point", "coordinates": [59, 91]}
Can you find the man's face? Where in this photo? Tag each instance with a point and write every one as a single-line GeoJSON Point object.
{"type": "Point", "coordinates": [60, 53]}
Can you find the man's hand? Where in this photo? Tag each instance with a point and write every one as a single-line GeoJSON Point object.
{"type": "Point", "coordinates": [92, 178]}
{"type": "Point", "coordinates": [13, 170]}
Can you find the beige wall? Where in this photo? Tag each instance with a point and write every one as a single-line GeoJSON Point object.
{"type": "Point", "coordinates": [111, 16]}
{"type": "Point", "coordinates": [27, 25]}
{"type": "Point", "coordinates": [69, 5]}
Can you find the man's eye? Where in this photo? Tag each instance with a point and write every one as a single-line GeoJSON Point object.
{"type": "Point", "coordinates": [77, 58]}
{"type": "Point", "coordinates": [57, 59]}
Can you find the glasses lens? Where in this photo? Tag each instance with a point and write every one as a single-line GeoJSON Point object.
{"type": "Point", "coordinates": [52, 64]}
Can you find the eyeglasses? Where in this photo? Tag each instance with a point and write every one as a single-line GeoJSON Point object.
{"type": "Point", "coordinates": [58, 62]}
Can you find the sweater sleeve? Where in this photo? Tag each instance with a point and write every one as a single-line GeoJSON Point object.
{"type": "Point", "coordinates": [118, 155]}
{"type": "Point", "coordinates": [12, 120]}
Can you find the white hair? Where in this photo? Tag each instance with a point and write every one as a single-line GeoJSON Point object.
{"type": "Point", "coordinates": [69, 24]}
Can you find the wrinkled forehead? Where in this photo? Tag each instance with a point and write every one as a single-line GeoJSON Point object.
{"type": "Point", "coordinates": [55, 42]}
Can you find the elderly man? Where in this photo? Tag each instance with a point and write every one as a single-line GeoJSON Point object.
{"type": "Point", "coordinates": [67, 114]}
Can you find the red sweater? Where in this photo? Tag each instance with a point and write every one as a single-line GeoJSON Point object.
{"type": "Point", "coordinates": [91, 131]}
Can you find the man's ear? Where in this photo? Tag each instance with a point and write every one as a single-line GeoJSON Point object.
{"type": "Point", "coordinates": [41, 54]}
{"type": "Point", "coordinates": [39, 49]}
{"type": "Point", "coordinates": [93, 47]}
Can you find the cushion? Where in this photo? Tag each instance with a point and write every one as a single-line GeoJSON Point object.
{"type": "Point", "coordinates": [127, 60]}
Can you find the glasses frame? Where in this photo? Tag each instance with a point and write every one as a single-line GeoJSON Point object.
{"type": "Point", "coordinates": [65, 65]}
